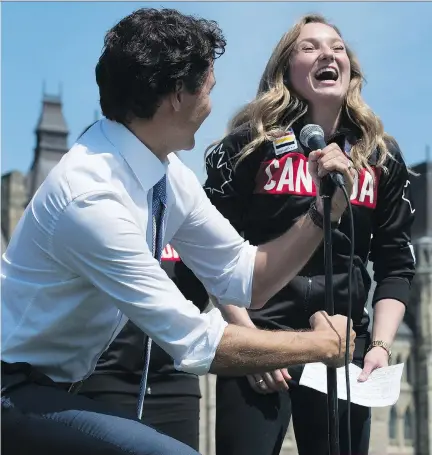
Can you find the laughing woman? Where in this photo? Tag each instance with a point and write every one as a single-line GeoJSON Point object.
{"type": "Point", "coordinates": [262, 185]}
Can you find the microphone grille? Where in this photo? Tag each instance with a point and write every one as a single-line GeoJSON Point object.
{"type": "Point", "coordinates": [308, 131]}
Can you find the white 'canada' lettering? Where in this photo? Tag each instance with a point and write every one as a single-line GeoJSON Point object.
{"type": "Point", "coordinates": [169, 254]}
{"type": "Point", "coordinates": [290, 175]}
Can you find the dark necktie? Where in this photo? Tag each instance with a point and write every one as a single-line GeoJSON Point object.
{"type": "Point", "coordinates": [158, 215]}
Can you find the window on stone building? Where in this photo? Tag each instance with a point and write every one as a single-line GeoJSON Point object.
{"type": "Point", "coordinates": [393, 424]}
{"type": "Point", "coordinates": [408, 425]}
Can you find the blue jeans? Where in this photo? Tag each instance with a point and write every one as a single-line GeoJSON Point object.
{"type": "Point", "coordinates": [42, 418]}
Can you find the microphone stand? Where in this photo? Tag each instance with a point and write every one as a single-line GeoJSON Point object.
{"type": "Point", "coordinates": [327, 189]}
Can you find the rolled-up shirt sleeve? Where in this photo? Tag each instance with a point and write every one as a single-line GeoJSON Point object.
{"type": "Point", "coordinates": [97, 238]}
{"type": "Point", "coordinates": [219, 257]}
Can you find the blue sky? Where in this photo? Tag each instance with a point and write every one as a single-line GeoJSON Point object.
{"type": "Point", "coordinates": [61, 42]}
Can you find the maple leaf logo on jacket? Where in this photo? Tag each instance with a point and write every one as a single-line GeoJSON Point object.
{"type": "Point", "coordinates": [218, 170]}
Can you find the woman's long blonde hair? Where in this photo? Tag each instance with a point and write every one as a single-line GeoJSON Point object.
{"type": "Point", "coordinates": [276, 106]}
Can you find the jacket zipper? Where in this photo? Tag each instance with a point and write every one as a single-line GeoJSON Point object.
{"type": "Point", "coordinates": [307, 294]}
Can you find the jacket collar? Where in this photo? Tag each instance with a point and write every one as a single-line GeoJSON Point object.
{"type": "Point", "coordinates": [347, 132]}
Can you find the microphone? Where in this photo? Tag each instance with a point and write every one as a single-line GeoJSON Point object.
{"type": "Point", "coordinates": [312, 136]}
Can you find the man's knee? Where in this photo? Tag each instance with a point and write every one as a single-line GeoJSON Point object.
{"type": "Point", "coordinates": [128, 435]}
{"type": "Point", "coordinates": [151, 442]}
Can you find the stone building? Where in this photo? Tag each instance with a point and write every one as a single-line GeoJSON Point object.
{"type": "Point", "coordinates": [403, 429]}
{"type": "Point", "coordinates": [51, 143]}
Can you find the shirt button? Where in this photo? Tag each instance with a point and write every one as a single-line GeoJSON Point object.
{"type": "Point", "coordinates": [148, 391]}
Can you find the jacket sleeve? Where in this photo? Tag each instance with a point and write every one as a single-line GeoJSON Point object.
{"type": "Point", "coordinates": [392, 253]}
{"type": "Point", "coordinates": [228, 186]}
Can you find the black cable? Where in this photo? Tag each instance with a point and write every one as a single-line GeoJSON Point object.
{"type": "Point", "coordinates": [349, 311]}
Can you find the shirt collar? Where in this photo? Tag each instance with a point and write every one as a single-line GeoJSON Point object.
{"type": "Point", "coordinates": [145, 165]}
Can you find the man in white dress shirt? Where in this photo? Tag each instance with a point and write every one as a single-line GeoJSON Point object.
{"type": "Point", "coordinates": [81, 260]}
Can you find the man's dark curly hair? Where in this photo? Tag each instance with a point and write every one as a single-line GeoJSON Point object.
{"type": "Point", "coordinates": [147, 53]}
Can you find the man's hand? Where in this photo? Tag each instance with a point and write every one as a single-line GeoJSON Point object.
{"type": "Point", "coordinates": [333, 331]}
{"type": "Point", "coordinates": [275, 381]}
{"type": "Point", "coordinates": [376, 358]}
{"type": "Point", "coordinates": [321, 163]}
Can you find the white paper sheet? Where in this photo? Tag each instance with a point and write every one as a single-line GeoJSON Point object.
{"type": "Point", "coordinates": [381, 389]}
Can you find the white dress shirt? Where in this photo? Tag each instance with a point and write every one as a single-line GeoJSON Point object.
{"type": "Point", "coordinates": [79, 262]}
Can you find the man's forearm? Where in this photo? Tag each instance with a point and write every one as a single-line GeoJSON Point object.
{"type": "Point", "coordinates": [279, 261]}
{"type": "Point", "coordinates": [388, 315]}
{"type": "Point", "coordinates": [245, 350]}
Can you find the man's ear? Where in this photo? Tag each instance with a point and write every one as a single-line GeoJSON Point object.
{"type": "Point", "coordinates": [177, 97]}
